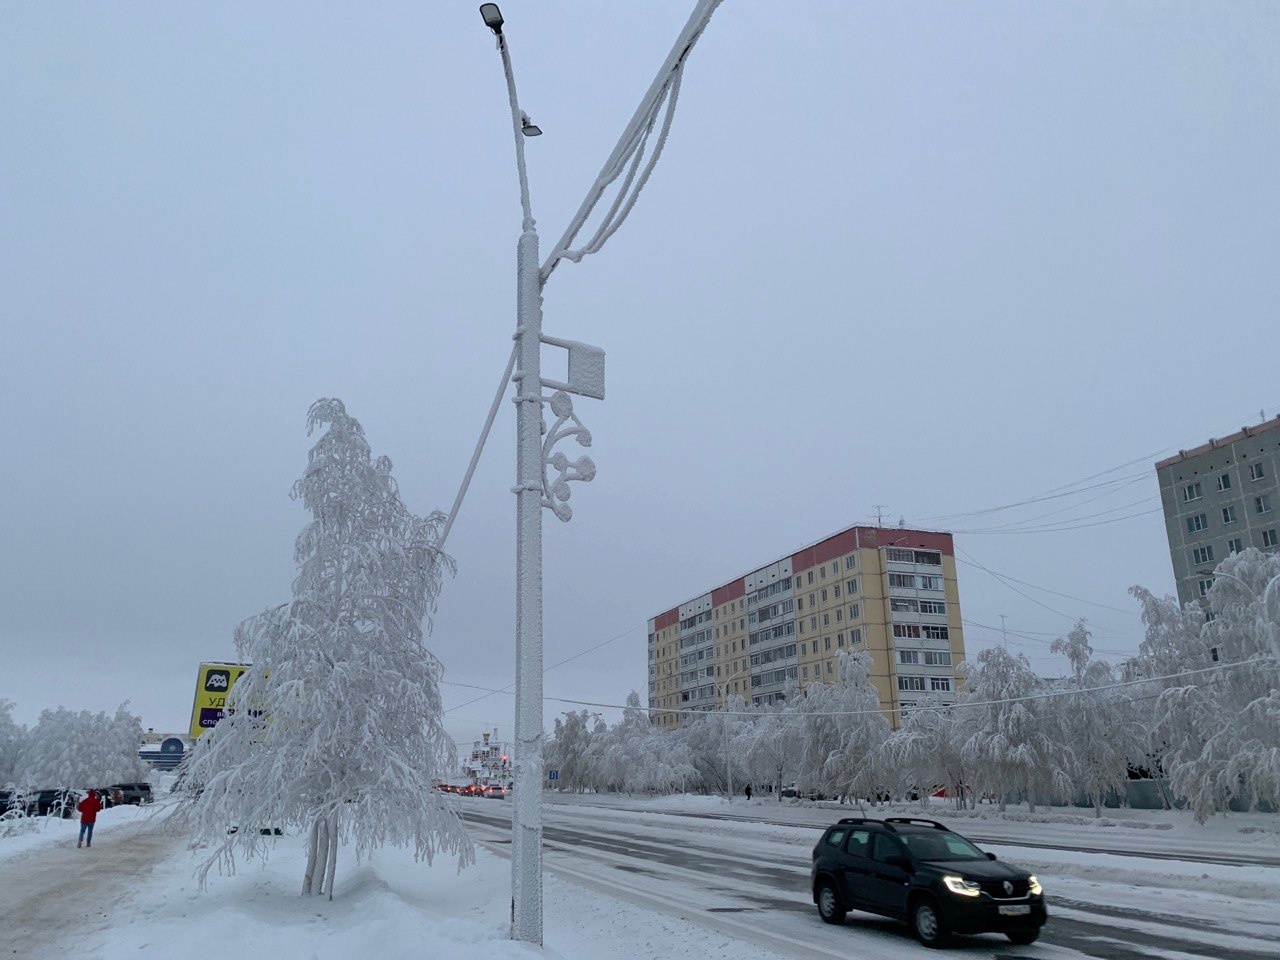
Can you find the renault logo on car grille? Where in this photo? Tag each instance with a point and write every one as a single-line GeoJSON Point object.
{"type": "Point", "coordinates": [1008, 888]}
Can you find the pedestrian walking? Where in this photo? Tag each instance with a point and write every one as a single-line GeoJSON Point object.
{"type": "Point", "coordinates": [88, 808]}
{"type": "Point", "coordinates": [748, 791]}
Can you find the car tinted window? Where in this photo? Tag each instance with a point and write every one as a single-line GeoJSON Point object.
{"type": "Point", "coordinates": [942, 846]}
{"type": "Point", "coordinates": [885, 846]}
{"type": "Point", "coordinates": [835, 837]}
{"type": "Point", "coordinates": [859, 841]}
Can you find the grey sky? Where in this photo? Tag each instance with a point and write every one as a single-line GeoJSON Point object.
{"type": "Point", "coordinates": [936, 256]}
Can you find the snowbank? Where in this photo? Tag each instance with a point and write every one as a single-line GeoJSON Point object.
{"type": "Point", "coordinates": [400, 908]}
{"type": "Point", "coordinates": [36, 833]}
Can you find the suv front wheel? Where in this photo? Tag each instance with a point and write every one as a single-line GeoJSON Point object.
{"type": "Point", "coordinates": [829, 906]}
{"type": "Point", "coordinates": [927, 923]}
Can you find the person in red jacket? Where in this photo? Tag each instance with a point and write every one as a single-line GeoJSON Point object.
{"type": "Point", "coordinates": [88, 808]}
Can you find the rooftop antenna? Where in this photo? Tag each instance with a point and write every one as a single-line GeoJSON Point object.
{"type": "Point", "coordinates": [879, 513]}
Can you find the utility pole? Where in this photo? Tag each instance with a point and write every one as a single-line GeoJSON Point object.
{"type": "Point", "coordinates": [1004, 635]}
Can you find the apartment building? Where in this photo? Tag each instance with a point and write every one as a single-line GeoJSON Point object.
{"type": "Point", "coordinates": [1218, 499]}
{"type": "Point", "coordinates": [889, 592]}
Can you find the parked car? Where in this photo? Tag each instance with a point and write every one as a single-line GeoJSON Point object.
{"type": "Point", "coordinates": [134, 793]}
{"type": "Point", "coordinates": [110, 796]}
{"type": "Point", "coordinates": [53, 803]}
{"type": "Point", "coordinates": [922, 872]}
{"type": "Point", "coordinates": [495, 792]}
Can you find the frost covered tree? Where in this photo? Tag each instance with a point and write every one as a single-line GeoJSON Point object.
{"type": "Point", "coordinates": [70, 749]}
{"type": "Point", "coordinates": [1011, 746]}
{"type": "Point", "coordinates": [337, 728]}
{"type": "Point", "coordinates": [928, 751]}
{"type": "Point", "coordinates": [853, 765]}
{"type": "Point", "coordinates": [633, 756]}
{"type": "Point", "coordinates": [769, 745]}
{"type": "Point", "coordinates": [569, 750]}
{"type": "Point", "coordinates": [1102, 728]}
{"type": "Point", "coordinates": [1218, 733]}
{"type": "Point", "coordinates": [12, 737]}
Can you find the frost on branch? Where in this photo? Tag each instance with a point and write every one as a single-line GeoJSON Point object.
{"type": "Point", "coordinates": [337, 728]}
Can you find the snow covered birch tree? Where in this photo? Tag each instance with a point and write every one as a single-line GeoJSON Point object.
{"type": "Point", "coordinates": [928, 751]}
{"type": "Point", "coordinates": [852, 767]}
{"type": "Point", "coordinates": [1219, 732]}
{"type": "Point", "coordinates": [1101, 727]}
{"type": "Point", "coordinates": [1011, 746]}
{"type": "Point", "coordinates": [70, 749]}
{"type": "Point", "coordinates": [12, 736]}
{"type": "Point", "coordinates": [337, 727]}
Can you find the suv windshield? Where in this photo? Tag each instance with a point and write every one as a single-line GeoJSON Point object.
{"type": "Point", "coordinates": [941, 846]}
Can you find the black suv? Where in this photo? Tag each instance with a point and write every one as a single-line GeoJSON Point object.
{"type": "Point", "coordinates": [921, 872]}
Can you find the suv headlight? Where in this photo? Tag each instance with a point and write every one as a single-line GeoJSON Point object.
{"type": "Point", "coordinates": [961, 886]}
{"type": "Point", "coordinates": [1035, 887]}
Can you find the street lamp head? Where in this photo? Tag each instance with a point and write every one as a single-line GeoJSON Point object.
{"type": "Point", "coordinates": [528, 127]}
{"type": "Point", "coordinates": [492, 16]}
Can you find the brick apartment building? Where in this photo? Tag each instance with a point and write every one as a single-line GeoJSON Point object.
{"type": "Point", "coordinates": [887, 591]}
{"type": "Point", "coordinates": [1218, 499]}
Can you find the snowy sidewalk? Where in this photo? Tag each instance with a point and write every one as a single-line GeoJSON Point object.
{"type": "Point", "coordinates": [53, 890]}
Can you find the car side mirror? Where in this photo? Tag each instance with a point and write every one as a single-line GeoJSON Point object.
{"type": "Point", "coordinates": [990, 856]}
{"type": "Point", "coordinates": [902, 863]}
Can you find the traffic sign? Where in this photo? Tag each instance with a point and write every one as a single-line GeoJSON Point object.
{"type": "Point", "coordinates": [553, 774]}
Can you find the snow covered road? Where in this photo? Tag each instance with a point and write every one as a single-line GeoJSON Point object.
{"type": "Point", "coordinates": [750, 879]}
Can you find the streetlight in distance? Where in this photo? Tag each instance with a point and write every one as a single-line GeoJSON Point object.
{"type": "Point", "coordinates": [724, 700]}
{"type": "Point", "coordinates": [543, 474]}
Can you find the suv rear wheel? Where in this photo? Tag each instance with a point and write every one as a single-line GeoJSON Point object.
{"type": "Point", "coordinates": [927, 923]}
{"type": "Point", "coordinates": [829, 906]}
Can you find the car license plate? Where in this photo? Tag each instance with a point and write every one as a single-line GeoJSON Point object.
{"type": "Point", "coordinates": [1014, 910]}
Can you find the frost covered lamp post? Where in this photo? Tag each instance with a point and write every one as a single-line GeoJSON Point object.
{"type": "Point", "coordinates": [728, 762]}
{"type": "Point", "coordinates": [536, 457]}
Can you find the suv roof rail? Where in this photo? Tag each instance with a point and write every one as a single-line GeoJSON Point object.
{"type": "Point", "coordinates": [931, 823]}
{"type": "Point", "coordinates": [856, 820]}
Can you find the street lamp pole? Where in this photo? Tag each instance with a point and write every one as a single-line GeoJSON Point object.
{"type": "Point", "coordinates": [543, 474]}
{"type": "Point", "coordinates": [724, 698]}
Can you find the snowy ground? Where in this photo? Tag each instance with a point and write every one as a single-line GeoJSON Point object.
{"type": "Point", "coordinates": [630, 879]}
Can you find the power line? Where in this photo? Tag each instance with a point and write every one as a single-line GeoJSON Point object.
{"type": "Point", "coordinates": [881, 711]}
{"type": "Point", "coordinates": [1061, 529]}
{"type": "Point", "coordinates": [973, 562]}
{"type": "Point", "coordinates": [561, 663]}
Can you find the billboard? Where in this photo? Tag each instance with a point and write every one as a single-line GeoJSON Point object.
{"type": "Point", "coordinates": [213, 682]}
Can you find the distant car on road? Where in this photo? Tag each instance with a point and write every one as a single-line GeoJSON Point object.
{"type": "Point", "coordinates": [495, 792]}
{"type": "Point", "coordinates": [921, 872]}
{"type": "Point", "coordinates": [134, 793]}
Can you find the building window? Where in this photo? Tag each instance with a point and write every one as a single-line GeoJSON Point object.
{"type": "Point", "coordinates": [1204, 586]}
{"type": "Point", "coordinates": [933, 606]}
{"type": "Point", "coordinates": [1256, 471]}
{"type": "Point", "coordinates": [906, 631]}
{"type": "Point", "coordinates": [826, 619]}
{"type": "Point", "coordinates": [897, 555]}
{"type": "Point", "coordinates": [822, 572]}
{"type": "Point", "coordinates": [824, 596]}
{"type": "Point", "coordinates": [848, 562]}
{"type": "Point", "coordinates": [908, 656]}
{"type": "Point", "coordinates": [1199, 522]}
{"type": "Point", "coordinates": [835, 590]}
{"type": "Point", "coordinates": [802, 628]}
{"type": "Point", "coordinates": [936, 633]}
{"type": "Point", "coordinates": [839, 615]}
{"type": "Point", "coordinates": [1235, 546]}
{"type": "Point", "coordinates": [904, 605]}
{"type": "Point", "coordinates": [911, 683]}
{"type": "Point", "coordinates": [907, 580]}
{"type": "Point", "coordinates": [813, 623]}
{"type": "Point", "coordinates": [799, 603]}
{"type": "Point", "coordinates": [1191, 492]}
{"type": "Point", "coordinates": [937, 658]}
{"type": "Point", "coordinates": [804, 672]}
{"type": "Point", "coordinates": [1202, 555]}
{"type": "Point", "coordinates": [853, 611]}
{"type": "Point", "coordinates": [1269, 538]}
{"type": "Point", "coordinates": [851, 587]}
{"type": "Point", "coordinates": [939, 683]}
{"type": "Point", "coordinates": [1224, 481]}
{"type": "Point", "coordinates": [839, 639]}
{"type": "Point", "coordinates": [828, 666]}
{"type": "Point", "coordinates": [813, 602]}
{"type": "Point", "coordinates": [1228, 514]}
{"type": "Point", "coordinates": [811, 576]}
{"type": "Point", "coordinates": [802, 647]}
{"type": "Point", "coordinates": [855, 637]}
{"type": "Point", "coordinates": [826, 643]}
{"type": "Point", "coordinates": [1263, 503]}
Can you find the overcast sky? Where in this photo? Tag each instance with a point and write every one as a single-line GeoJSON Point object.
{"type": "Point", "coordinates": [939, 257]}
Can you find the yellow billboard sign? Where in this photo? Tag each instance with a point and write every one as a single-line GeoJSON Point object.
{"type": "Point", "coordinates": [213, 682]}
